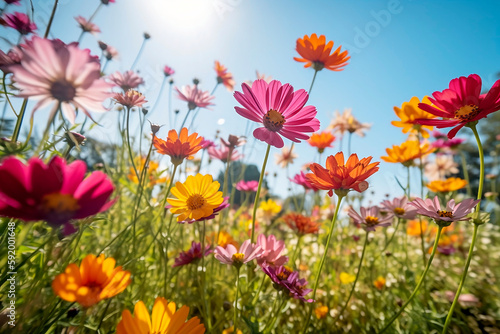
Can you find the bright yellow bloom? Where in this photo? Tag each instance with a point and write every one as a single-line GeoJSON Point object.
{"type": "Point", "coordinates": [153, 175]}
{"type": "Point", "coordinates": [164, 319]}
{"type": "Point", "coordinates": [346, 278]}
{"type": "Point", "coordinates": [270, 208]}
{"type": "Point", "coordinates": [450, 184]}
{"type": "Point", "coordinates": [409, 112]}
{"type": "Point", "coordinates": [230, 330]}
{"type": "Point", "coordinates": [96, 279]}
{"type": "Point", "coordinates": [379, 282]}
{"type": "Point", "coordinates": [321, 311]}
{"type": "Point", "coordinates": [407, 152]}
{"type": "Point", "coordinates": [196, 198]}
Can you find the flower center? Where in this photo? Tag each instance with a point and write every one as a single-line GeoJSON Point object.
{"type": "Point", "coordinates": [467, 113]}
{"type": "Point", "coordinates": [283, 275]}
{"type": "Point", "coordinates": [399, 211]}
{"type": "Point", "coordinates": [370, 220]}
{"type": "Point", "coordinates": [443, 213]}
{"type": "Point", "coordinates": [195, 201]}
{"type": "Point", "coordinates": [63, 91]}
{"type": "Point", "coordinates": [238, 257]}
{"type": "Point", "coordinates": [273, 120]}
{"type": "Point", "coordinates": [60, 203]}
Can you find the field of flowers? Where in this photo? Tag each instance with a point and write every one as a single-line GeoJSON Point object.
{"type": "Point", "coordinates": [137, 237]}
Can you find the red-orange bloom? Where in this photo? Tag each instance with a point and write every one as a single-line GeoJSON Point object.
{"type": "Point", "coordinates": [301, 224]}
{"type": "Point", "coordinates": [321, 140]}
{"type": "Point", "coordinates": [224, 77]}
{"type": "Point", "coordinates": [179, 147]}
{"type": "Point", "coordinates": [342, 177]}
{"type": "Point", "coordinates": [316, 53]}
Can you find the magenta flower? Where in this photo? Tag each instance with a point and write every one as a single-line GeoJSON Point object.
{"type": "Point", "coordinates": [247, 186]}
{"type": "Point", "coordinates": [56, 192]}
{"type": "Point", "coordinates": [230, 255]}
{"type": "Point", "coordinates": [193, 254]}
{"type": "Point", "coordinates": [222, 153]}
{"type": "Point", "coordinates": [461, 104]}
{"type": "Point", "coordinates": [51, 71]}
{"type": "Point", "coordinates": [279, 109]}
{"type": "Point", "coordinates": [126, 80]}
{"type": "Point", "coordinates": [206, 143]}
{"type": "Point", "coordinates": [21, 22]}
{"type": "Point", "coordinates": [168, 71]}
{"type": "Point", "coordinates": [453, 212]}
{"type": "Point", "coordinates": [224, 205]}
{"type": "Point", "coordinates": [301, 180]}
{"type": "Point", "coordinates": [194, 97]}
{"type": "Point", "coordinates": [287, 280]}
{"type": "Point", "coordinates": [13, 57]}
{"type": "Point", "coordinates": [370, 218]}
{"type": "Point", "coordinates": [87, 26]}
{"type": "Point", "coordinates": [130, 99]}
{"type": "Point", "coordinates": [271, 251]}
{"type": "Point", "coordinates": [13, 2]}
{"type": "Point", "coordinates": [400, 208]}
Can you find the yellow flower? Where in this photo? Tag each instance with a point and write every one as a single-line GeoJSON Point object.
{"type": "Point", "coordinates": [223, 240]}
{"type": "Point", "coordinates": [321, 311]}
{"type": "Point", "coordinates": [96, 279]}
{"type": "Point", "coordinates": [270, 208]}
{"type": "Point", "coordinates": [164, 319]}
{"type": "Point", "coordinates": [346, 278]}
{"type": "Point", "coordinates": [379, 282]}
{"type": "Point", "coordinates": [230, 330]}
{"type": "Point", "coordinates": [196, 198]}
{"type": "Point", "coordinates": [450, 184]}
{"type": "Point", "coordinates": [409, 112]}
{"type": "Point", "coordinates": [152, 174]}
{"type": "Point", "coordinates": [407, 152]}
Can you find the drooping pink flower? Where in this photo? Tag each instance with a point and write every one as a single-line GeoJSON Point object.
{"type": "Point", "coordinates": [87, 26]}
{"type": "Point", "coordinates": [193, 254]}
{"type": "Point", "coordinates": [234, 141]}
{"type": "Point", "coordinates": [222, 153]}
{"type": "Point", "coordinates": [370, 218]}
{"type": "Point", "coordinates": [126, 80]}
{"type": "Point", "coordinates": [231, 255]}
{"type": "Point", "coordinates": [51, 71]}
{"type": "Point", "coordinates": [280, 110]}
{"type": "Point", "coordinates": [272, 250]}
{"type": "Point", "coordinates": [461, 104]}
{"type": "Point", "coordinates": [194, 97]}
{"type": "Point", "coordinates": [222, 206]}
{"type": "Point", "coordinates": [247, 186]}
{"type": "Point", "coordinates": [10, 58]}
{"type": "Point", "coordinates": [287, 280]}
{"type": "Point", "coordinates": [110, 52]}
{"type": "Point", "coordinates": [131, 98]}
{"type": "Point", "coordinates": [301, 180]}
{"type": "Point", "coordinates": [168, 71]}
{"type": "Point", "coordinates": [452, 213]}
{"type": "Point", "coordinates": [442, 142]}
{"type": "Point", "coordinates": [400, 208]}
{"type": "Point", "coordinates": [21, 22]}
{"type": "Point", "coordinates": [55, 192]}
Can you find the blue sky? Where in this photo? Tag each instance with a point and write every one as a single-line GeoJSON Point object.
{"type": "Point", "coordinates": [399, 49]}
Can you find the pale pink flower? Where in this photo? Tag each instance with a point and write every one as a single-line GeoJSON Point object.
{"type": "Point", "coordinates": [194, 97]}
{"type": "Point", "coordinates": [286, 157]}
{"type": "Point", "coordinates": [110, 52]}
{"type": "Point", "coordinates": [453, 212]}
{"type": "Point", "coordinates": [126, 80]}
{"type": "Point", "coordinates": [400, 208]}
{"type": "Point", "coordinates": [87, 26]}
{"type": "Point", "coordinates": [271, 251]}
{"type": "Point", "coordinates": [10, 58]}
{"type": "Point", "coordinates": [369, 218]}
{"type": "Point", "coordinates": [347, 123]}
{"type": "Point", "coordinates": [222, 153]}
{"type": "Point", "coordinates": [247, 186]}
{"type": "Point", "coordinates": [231, 255]}
{"type": "Point", "coordinates": [130, 99]}
{"type": "Point", "coordinates": [441, 167]}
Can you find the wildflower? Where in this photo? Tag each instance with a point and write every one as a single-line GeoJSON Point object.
{"type": "Point", "coordinates": [408, 113]}
{"type": "Point", "coordinates": [164, 319]}
{"type": "Point", "coordinates": [223, 239]}
{"type": "Point", "coordinates": [247, 186]}
{"type": "Point", "coordinates": [230, 330]}
{"type": "Point", "coordinates": [300, 224]}
{"type": "Point", "coordinates": [153, 175]}
{"type": "Point", "coordinates": [269, 208]}
{"type": "Point", "coordinates": [407, 152]}
{"type": "Point", "coordinates": [206, 143]}
{"type": "Point", "coordinates": [370, 218]}
{"type": "Point", "coordinates": [222, 206]}
{"type": "Point", "coordinates": [21, 22]}
{"type": "Point", "coordinates": [195, 198]}
{"type": "Point", "coordinates": [321, 140]}
{"type": "Point", "coordinates": [461, 104]}
{"type": "Point", "coordinates": [194, 97]}
{"type": "Point", "coordinates": [346, 278]}
{"type": "Point", "coordinates": [54, 192]}
{"type": "Point", "coordinates": [379, 282]}
{"type": "Point", "coordinates": [414, 230]}
{"type": "Point", "coordinates": [74, 138]}
{"type": "Point", "coordinates": [13, 2]}
{"type": "Point", "coordinates": [110, 52]}
{"type": "Point", "coordinates": [130, 99]}
{"type": "Point", "coordinates": [224, 77]}
{"type": "Point", "coordinates": [279, 109]}
{"type": "Point", "coordinates": [271, 251]}
{"type": "Point", "coordinates": [12, 57]}
{"type": "Point", "coordinates": [230, 255]}
{"type": "Point", "coordinates": [96, 279]}
{"type": "Point", "coordinates": [168, 71]}
{"type": "Point", "coordinates": [442, 141]}
{"type": "Point", "coordinates": [223, 153]}
{"type": "Point", "coordinates": [453, 212]}
{"type": "Point", "coordinates": [441, 167]}
{"type": "Point", "coordinates": [342, 177]}
{"type": "Point", "coordinates": [234, 141]}
{"type": "Point", "coordinates": [400, 208]}
{"type": "Point", "coordinates": [286, 157]}
{"type": "Point", "coordinates": [450, 184]}
{"type": "Point", "coordinates": [64, 74]}
{"type": "Point", "coordinates": [317, 53]}
{"type": "Point", "coordinates": [179, 147]}
{"type": "Point", "coordinates": [347, 123]}
{"type": "Point", "coordinates": [193, 254]}
{"type": "Point", "coordinates": [321, 311]}
{"type": "Point", "coordinates": [301, 180]}
{"type": "Point", "coordinates": [287, 280]}
{"type": "Point", "coordinates": [87, 26]}
{"type": "Point", "coordinates": [126, 80]}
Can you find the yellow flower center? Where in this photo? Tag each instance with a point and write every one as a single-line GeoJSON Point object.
{"type": "Point", "coordinates": [443, 213]}
{"type": "Point", "coordinates": [370, 220]}
{"type": "Point", "coordinates": [195, 201]}
{"type": "Point", "coordinates": [238, 257]}
{"type": "Point", "coordinates": [399, 211]}
{"type": "Point", "coordinates": [283, 275]}
{"type": "Point", "coordinates": [273, 120]}
{"type": "Point", "coordinates": [467, 113]}
{"type": "Point", "coordinates": [59, 203]}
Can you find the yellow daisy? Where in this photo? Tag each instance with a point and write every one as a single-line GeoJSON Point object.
{"type": "Point", "coordinates": [450, 184]}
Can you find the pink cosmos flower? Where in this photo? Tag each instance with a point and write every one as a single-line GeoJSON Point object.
{"type": "Point", "coordinates": [106, 2]}
{"type": "Point", "coordinates": [230, 255]}
{"type": "Point", "coordinates": [287, 280]}
{"type": "Point", "coordinates": [21, 22]}
{"type": "Point", "coordinates": [87, 26]}
{"type": "Point", "coordinates": [110, 52]}
{"type": "Point", "coordinates": [453, 212]}
{"type": "Point", "coordinates": [369, 218]}
{"type": "Point", "coordinates": [130, 99]}
{"type": "Point", "coordinates": [222, 206]}
{"type": "Point", "coordinates": [279, 109]}
{"type": "Point", "coordinates": [13, 2]}
{"type": "Point", "coordinates": [400, 208]}
{"type": "Point", "coordinates": [206, 143]}
{"type": "Point", "coordinates": [247, 186]}
{"type": "Point", "coordinates": [51, 71]}
{"type": "Point", "coordinates": [12, 57]}
{"type": "Point", "coordinates": [234, 141]}
{"type": "Point", "coordinates": [126, 80]}
{"type": "Point", "coordinates": [271, 251]}
{"type": "Point", "coordinates": [193, 254]}
{"type": "Point", "coordinates": [168, 71]}
{"type": "Point", "coordinates": [461, 104]}
{"type": "Point", "coordinates": [222, 153]}
{"type": "Point", "coordinates": [442, 141]}
{"type": "Point", "coordinates": [54, 192]}
{"type": "Point", "coordinates": [194, 97]}
{"type": "Point", "coordinates": [301, 180]}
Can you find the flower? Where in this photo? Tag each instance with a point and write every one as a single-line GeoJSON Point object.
{"type": "Point", "coordinates": [51, 71]}
{"type": "Point", "coordinates": [407, 152]}
{"type": "Point", "coordinates": [96, 279]}
{"type": "Point", "coordinates": [55, 192]}
{"type": "Point", "coordinates": [194, 97]}
{"type": "Point", "coordinates": [110, 52]}
{"type": "Point", "coordinates": [224, 205]}
{"type": "Point", "coordinates": [413, 228]}
{"type": "Point", "coordinates": [408, 113]}
{"type": "Point", "coordinates": [342, 177]}
{"type": "Point", "coordinates": [224, 77]}
{"type": "Point", "coordinates": [379, 282]}
{"type": "Point", "coordinates": [450, 184]}
{"type": "Point", "coordinates": [230, 255]}
{"type": "Point", "coordinates": [279, 109]}
{"type": "Point", "coordinates": [346, 278]}
{"type": "Point", "coordinates": [453, 212]}
{"type": "Point", "coordinates": [301, 180]}
{"type": "Point", "coordinates": [321, 140]}
{"type": "Point", "coordinates": [442, 141]}
{"type": "Point", "coordinates": [126, 80]}
{"type": "Point", "coordinates": [13, 2]}
{"type": "Point", "coordinates": [347, 123]}
{"type": "Point", "coordinates": [131, 98]}
{"type": "Point", "coordinates": [234, 141]}
{"type": "Point", "coordinates": [152, 173]}
{"type": "Point", "coordinates": [316, 53]}
{"type": "Point", "coordinates": [21, 22]}
{"type": "Point", "coordinates": [10, 58]}
{"type": "Point", "coordinates": [223, 239]}
{"type": "Point", "coordinates": [196, 198]}
{"type": "Point", "coordinates": [179, 147]}
{"type": "Point", "coordinates": [87, 26]}
{"type": "Point", "coordinates": [461, 104]}
{"type": "Point", "coordinates": [192, 254]}
{"type": "Point", "coordinates": [248, 186]}
{"type": "Point", "coordinates": [164, 319]}
{"type": "Point", "coordinates": [287, 280]}
{"type": "Point", "coordinates": [300, 224]}
{"type": "Point", "coordinates": [400, 208]}
{"type": "Point", "coordinates": [269, 208]}
{"type": "Point", "coordinates": [230, 330]}
{"type": "Point", "coordinates": [321, 311]}
{"type": "Point", "coordinates": [206, 143]}
{"type": "Point", "coordinates": [222, 153]}
{"type": "Point", "coordinates": [168, 71]}
{"type": "Point", "coordinates": [271, 251]}
{"type": "Point", "coordinates": [286, 157]}
{"type": "Point", "coordinates": [370, 217]}
{"type": "Point", "coordinates": [442, 166]}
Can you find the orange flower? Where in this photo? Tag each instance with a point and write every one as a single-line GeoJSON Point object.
{"type": "Point", "coordinates": [342, 177]}
{"type": "Point", "coordinates": [407, 152]}
{"type": "Point", "coordinates": [301, 224]}
{"type": "Point", "coordinates": [450, 184]}
{"type": "Point", "coordinates": [178, 147]}
{"type": "Point", "coordinates": [379, 282]}
{"type": "Point", "coordinates": [223, 240]}
{"type": "Point", "coordinates": [413, 228]}
{"type": "Point", "coordinates": [409, 112]}
{"type": "Point", "coordinates": [152, 174]}
{"type": "Point", "coordinates": [316, 53]}
{"type": "Point", "coordinates": [96, 279]}
{"type": "Point", "coordinates": [321, 311]}
{"type": "Point", "coordinates": [223, 76]}
{"type": "Point", "coordinates": [321, 140]}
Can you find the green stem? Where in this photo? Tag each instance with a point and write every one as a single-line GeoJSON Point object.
{"type": "Point", "coordinates": [421, 168]}
{"type": "Point", "coordinates": [51, 19]}
{"type": "Point", "coordinates": [256, 297]}
{"type": "Point", "coordinates": [257, 195]}
{"type": "Point", "coordinates": [296, 251]}
{"type": "Point", "coordinates": [422, 278]}
{"type": "Point", "coordinates": [203, 277]}
{"type": "Point", "coordinates": [392, 236]}
{"type": "Point", "coordinates": [103, 314]}
{"type": "Point", "coordinates": [128, 144]}
{"type": "Point", "coordinates": [312, 82]}
{"type": "Point", "coordinates": [235, 315]}
{"type": "Point", "coordinates": [139, 53]}
{"type": "Point", "coordinates": [168, 190]}
{"type": "Point", "coordinates": [19, 122]}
